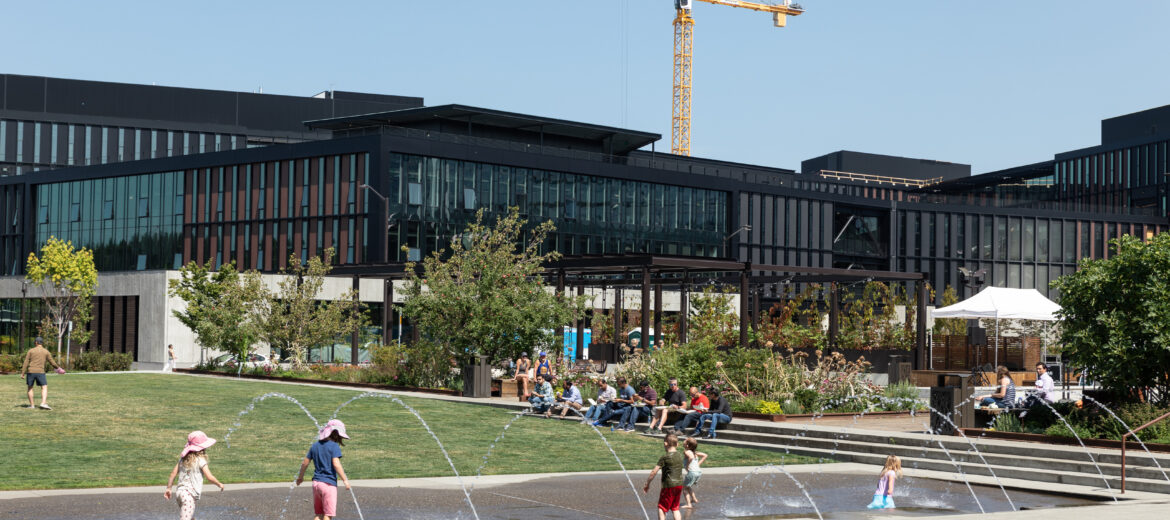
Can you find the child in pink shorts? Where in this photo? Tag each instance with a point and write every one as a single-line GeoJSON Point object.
{"type": "Point", "coordinates": [325, 454]}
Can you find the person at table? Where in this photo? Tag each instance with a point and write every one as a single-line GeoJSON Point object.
{"type": "Point", "coordinates": [1005, 394]}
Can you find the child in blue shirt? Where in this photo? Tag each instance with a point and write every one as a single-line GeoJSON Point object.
{"type": "Point", "coordinates": [325, 454]}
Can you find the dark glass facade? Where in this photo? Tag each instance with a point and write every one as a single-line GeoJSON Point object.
{"type": "Point", "coordinates": [132, 222]}
{"type": "Point", "coordinates": [432, 199]}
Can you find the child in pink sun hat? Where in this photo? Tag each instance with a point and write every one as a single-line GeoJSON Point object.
{"type": "Point", "coordinates": [325, 454]}
{"type": "Point", "coordinates": [191, 469]}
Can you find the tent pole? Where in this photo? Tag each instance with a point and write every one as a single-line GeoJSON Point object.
{"type": "Point", "coordinates": [997, 340]}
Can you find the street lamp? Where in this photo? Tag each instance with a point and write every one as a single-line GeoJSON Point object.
{"type": "Point", "coordinates": [386, 223]}
{"type": "Point", "coordinates": [745, 227]}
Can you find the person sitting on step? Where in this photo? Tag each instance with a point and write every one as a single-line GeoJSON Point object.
{"type": "Point", "coordinates": [542, 395]}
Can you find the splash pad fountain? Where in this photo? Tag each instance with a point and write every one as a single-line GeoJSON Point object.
{"type": "Point", "coordinates": [831, 491]}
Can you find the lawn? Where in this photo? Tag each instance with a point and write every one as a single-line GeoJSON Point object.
{"type": "Point", "coordinates": [128, 429]}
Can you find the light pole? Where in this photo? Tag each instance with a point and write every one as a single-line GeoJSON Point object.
{"type": "Point", "coordinates": [742, 228]}
{"type": "Point", "coordinates": [386, 222]}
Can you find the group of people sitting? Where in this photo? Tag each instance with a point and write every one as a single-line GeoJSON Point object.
{"type": "Point", "coordinates": [629, 406]}
{"type": "Point", "coordinates": [1005, 393]}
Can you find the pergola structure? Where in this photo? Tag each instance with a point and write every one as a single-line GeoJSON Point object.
{"type": "Point", "coordinates": [648, 272]}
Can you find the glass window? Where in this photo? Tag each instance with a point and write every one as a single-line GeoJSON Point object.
{"type": "Point", "coordinates": [143, 207]}
{"type": "Point", "coordinates": [141, 263]}
{"type": "Point", "coordinates": [414, 194]}
{"type": "Point", "coordinates": [1041, 240]}
{"type": "Point", "coordinates": [108, 210]}
{"type": "Point", "coordinates": [75, 212]}
{"type": "Point", "coordinates": [178, 261]}
{"type": "Point", "coordinates": [43, 215]}
{"type": "Point", "coordinates": [1028, 241]}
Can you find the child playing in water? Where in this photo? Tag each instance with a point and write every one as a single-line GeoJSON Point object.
{"type": "Point", "coordinates": [325, 454]}
{"type": "Point", "coordinates": [191, 469]}
{"type": "Point", "coordinates": [694, 459]}
{"type": "Point", "coordinates": [883, 498]}
{"type": "Point", "coordinates": [671, 465]}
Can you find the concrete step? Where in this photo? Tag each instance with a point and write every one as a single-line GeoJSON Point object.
{"type": "Point", "coordinates": [1077, 461]}
{"type": "Point", "coordinates": [1134, 458]}
{"type": "Point", "coordinates": [1029, 475]}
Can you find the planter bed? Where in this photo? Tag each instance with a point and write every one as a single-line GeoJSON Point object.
{"type": "Point", "coordinates": [1052, 439]}
{"type": "Point", "coordinates": [785, 417]}
{"type": "Point", "coordinates": [376, 386]}
{"type": "Point", "coordinates": [760, 416]}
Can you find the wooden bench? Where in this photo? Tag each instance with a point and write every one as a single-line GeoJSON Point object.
{"type": "Point", "coordinates": [512, 387]}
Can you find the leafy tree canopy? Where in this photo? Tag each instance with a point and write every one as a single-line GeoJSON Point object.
{"type": "Point", "coordinates": [1116, 317]}
{"type": "Point", "coordinates": [292, 317]}
{"type": "Point", "coordinates": [68, 281]}
{"type": "Point", "coordinates": [223, 307]}
{"type": "Point", "coordinates": [485, 296]}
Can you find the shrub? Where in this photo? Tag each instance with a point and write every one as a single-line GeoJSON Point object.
{"type": "Point", "coordinates": [1007, 422]}
{"type": "Point", "coordinates": [11, 362]}
{"type": "Point", "coordinates": [1135, 415]}
{"type": "Point", "coordinates": [769, 408]}
{"type": "Point", "coordinates": [95, 361]}
{"type": "Point", "coordinates": [900, 396]}
{"type": "Point", "coordinates": [791, 407]}
{"type": "Point", "coordinates": [1060, 430]}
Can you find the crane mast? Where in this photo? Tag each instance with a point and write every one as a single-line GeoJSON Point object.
{"type": "Point", "coordinates": [684, 24]}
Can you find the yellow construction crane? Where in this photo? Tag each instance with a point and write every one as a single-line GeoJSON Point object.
{"type": "Point", "coordinates": [683, 47]}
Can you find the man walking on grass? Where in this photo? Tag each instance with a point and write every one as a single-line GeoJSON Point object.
{"type": "Point", "coordinates": [33, 371]}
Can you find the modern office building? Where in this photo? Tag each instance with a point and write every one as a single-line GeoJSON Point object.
{"type": "Point", "coordinates": [431, 168]}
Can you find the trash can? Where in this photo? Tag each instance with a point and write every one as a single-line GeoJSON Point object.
{"type": "Point", "coordinates": [477, 379]}
{"type": "Point", "coordinates": [954, 403]}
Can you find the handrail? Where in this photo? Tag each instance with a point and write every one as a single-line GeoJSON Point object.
{"type": "Point", "coordinates": [867, 177]}
{"type": "Point", "coordinates": [1133, 432]}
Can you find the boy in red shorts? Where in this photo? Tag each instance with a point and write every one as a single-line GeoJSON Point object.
{"type": "Point", "coordinates": [671, 465]}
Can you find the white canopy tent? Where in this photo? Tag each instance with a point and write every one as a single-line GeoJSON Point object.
{"type": "Point", "coordinates": [1002, 303]}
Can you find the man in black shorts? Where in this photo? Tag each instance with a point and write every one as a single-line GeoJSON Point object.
{"type": "Point", "coordinates": [33, 372]}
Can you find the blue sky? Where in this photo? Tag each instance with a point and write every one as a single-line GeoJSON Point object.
{"type": "Point", "coordinates": [992, 84]}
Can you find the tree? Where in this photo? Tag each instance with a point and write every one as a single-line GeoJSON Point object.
{"type": "Point", "coordinates": [1115, 316]}
{"type": "Point", "coordinates": [712, 318]}
{"type": "Point", "coordinates": [223, 307]}
{"type": "Point", "coordinates": [950, 326]}
{"type": "Point", "coordinates": [68, 281]}
{"type": "Point", "coordinates": [294, 320]}
{"type": "Point", "coordinates": [487, 298]}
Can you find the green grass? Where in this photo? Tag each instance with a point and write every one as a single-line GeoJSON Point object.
{"type": "Point", "coordinates": [128, 429]}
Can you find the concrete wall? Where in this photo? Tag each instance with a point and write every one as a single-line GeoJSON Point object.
{"type": "Point", "coordinates": [159, 327]}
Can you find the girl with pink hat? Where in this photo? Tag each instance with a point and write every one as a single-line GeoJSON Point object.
{"type": "Point", "coordinates": [191, 469]}
{"type": "Point", "coordinates": [325, 454]}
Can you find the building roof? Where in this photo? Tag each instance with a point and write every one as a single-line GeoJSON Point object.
{"type": "Point", "coordinates": [1010, 175]}
{"type": "Point", "coordinates": [619, 140]}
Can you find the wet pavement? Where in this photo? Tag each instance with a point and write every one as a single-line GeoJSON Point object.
{"type": "Point", "coordinates": [723, 493]}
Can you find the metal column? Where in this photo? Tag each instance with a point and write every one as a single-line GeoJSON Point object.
{"type": "Point", "coordinates": [387, 311]}
{"type": "Point", "coordinates": [920, 334]}
{"type": "Point", "coordinates": [743, 306]}
{"type": "Point", "coordinates": [684, 310]}
{"type": "Point", "coordinates": [658, 313]}
{"type": "Point", "coordinates": [580, 328]}
{"type": "Point", "coordinates": [645, 309]}
{"type": "Point", "coordinates": [834, 313]}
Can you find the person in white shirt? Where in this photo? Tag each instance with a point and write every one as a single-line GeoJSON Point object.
{"type": "Point", "coordinates": [605, 396]}
{"type": "Point", "coordinates": [1045, 388]}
